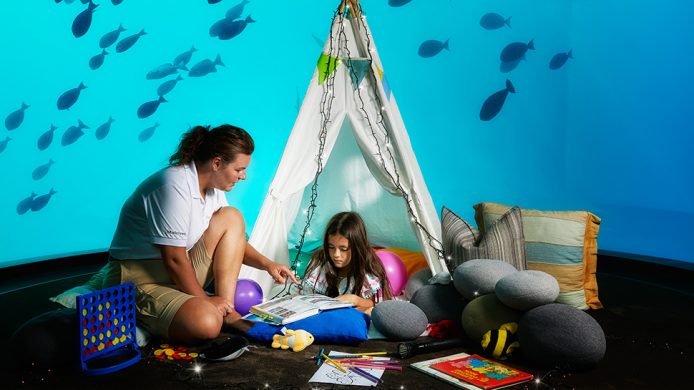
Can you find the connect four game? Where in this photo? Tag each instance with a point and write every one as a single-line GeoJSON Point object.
{"type": "Point", "coordinates": [107, 329]}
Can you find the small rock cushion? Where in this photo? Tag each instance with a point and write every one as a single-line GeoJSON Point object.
{"type": "Point", "coordinates": [525, 290]}
{"type": "Point", "coordinates": [439, 302]}
{"type": "Point", "coordinates": [484, 314]}
{"type": "Point", "coordinates": [478, 277]}
{"type": "Point", "coordinates": [399, 320]}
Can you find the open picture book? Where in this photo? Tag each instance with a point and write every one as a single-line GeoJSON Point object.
{"type": "Point", "coordinates": [285, 310]}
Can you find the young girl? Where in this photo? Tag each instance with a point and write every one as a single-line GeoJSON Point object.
{"type": "Point", "coordinates": [346, 266]}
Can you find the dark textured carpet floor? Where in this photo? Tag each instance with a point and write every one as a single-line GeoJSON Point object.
{"type": "Point", "coordinates": [648, 321]}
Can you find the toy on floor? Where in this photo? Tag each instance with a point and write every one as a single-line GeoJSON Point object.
{"type": "Point", "coordinates": [297, 340]}
{"type": "Point", "coordinates": [500, 343]}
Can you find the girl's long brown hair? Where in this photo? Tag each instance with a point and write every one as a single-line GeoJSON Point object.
{"type": "Point", "coordinates": [363, 258]}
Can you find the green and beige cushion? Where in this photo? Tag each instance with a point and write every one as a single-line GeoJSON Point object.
{"type": "Point", "coordinates": [560, 243]}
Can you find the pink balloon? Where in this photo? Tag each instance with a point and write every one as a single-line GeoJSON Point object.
{"type": "Point", "coordinates": [395, 270]}
{"type": "Point", "coordinates": [248, 293]}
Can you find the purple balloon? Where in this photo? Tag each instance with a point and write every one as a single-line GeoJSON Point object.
{"type": "Point", "coordinates": [395, 270]}
{"type": "Point", "coordinates": [248, 293]}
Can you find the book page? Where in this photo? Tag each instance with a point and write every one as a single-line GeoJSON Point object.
{"type": "Point", "coordinates": [322, 302]}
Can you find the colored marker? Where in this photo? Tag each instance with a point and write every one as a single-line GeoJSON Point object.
{"type": "Point", "coordinates": [366, 374]}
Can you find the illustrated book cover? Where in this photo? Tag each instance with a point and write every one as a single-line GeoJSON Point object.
{"type": "Point", "coordinates": [481, 372]}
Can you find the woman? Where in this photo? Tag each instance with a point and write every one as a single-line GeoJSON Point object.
{"type": "Point", "coordinates": [346, 266]}
{"type": "Point", "coordinates": [176, 233]}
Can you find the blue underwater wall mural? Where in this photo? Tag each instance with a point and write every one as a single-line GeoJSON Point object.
{"type": "Point", "coordinates": [549, 104]}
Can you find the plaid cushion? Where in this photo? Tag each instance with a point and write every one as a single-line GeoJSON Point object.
{"type": "Point", "coordinates": [501, 241]}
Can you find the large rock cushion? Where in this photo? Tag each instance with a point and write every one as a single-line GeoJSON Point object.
{"type": "Point", "coordinates": [525, 290]}
{"type": "Point", "coordinates": [49, 340]}
{"type": "Point", "coordinates": [400, 320]}
{"type": "Point", "coordinates": [484, 314]}
{"type": "Point", "coordinates": [439, 302]}
{"type": "Point", "coordinates": [478, 277]}
{"type": "Point", "coordinates": [417, 281]}
{"type": "Point", "coordinates": [559, 335]}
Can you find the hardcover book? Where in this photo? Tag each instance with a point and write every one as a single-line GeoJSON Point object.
{"type": "Point", "coordinates": [288, 309]}
{"type": "Point", "coordinates": [481, 372]}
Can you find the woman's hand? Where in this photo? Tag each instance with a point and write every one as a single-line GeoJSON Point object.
{"type": "Point", "coordinates": [222, 305]}
{"type": "Point", "coordinates": [280, 272]}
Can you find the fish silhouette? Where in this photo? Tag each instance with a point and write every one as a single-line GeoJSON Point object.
{"type": "Point", "coordinates": [127, 42]}
{"type": "Point", "coordinates": [213, 1]}
{"type": "Point", "coordinates": [3, 144]}
{"type": "Point", "coordinates": [148, 108]}
{"type": "Point", "coordinates": [183, 58]}
{"type": "Point", "coordinates": [495, 101]}
{"type": "Point", "coordinates": [102, 131]}
{"type": "Point", "coordinates": [560, 59]}
{"type": "Point", "coordinates": [41, 201]}
{"type": "Point", "coordinates": [236, 11]}
{"type": "Point", "coordinates": [226, 28]}
{"type": "Point", "coordinates": [205, 67]}
{"type": "Point", "coordinates": [147, 133]}
{"type": "Point", "coordinates": [506, 67]}
{"type": "Point", "coordinates": [398, 3]}
{"type": "Point", "coordinates": [83, 21]}
{"type": "Point", "coordinates": [515, 51]}
{"type": "Point", "coordinates": [42, 170]}
{"type": "Point", "coordinates": [15, 118]}
{"type": "Point", "coordinates": [431, 48]}
{"type": "Point", "coordinates": [98, 60]}
{"type": "Point", "coordinates": [110, 37]}
{"type": "Point", "coordinates": [318, 41]}
{"type": "Point", "coordinates": [493, 21]}
{"type": "Point", "coordinates": [73, 133]}
{"type": "Point", "coordinates": [164, 70]}
{"type": "Point", "coordinates": [168, 85]}
{"type": "Point", "coordinates": [24, 205]}
{"type": "Point", "coordinates": [46, 138]}
{"type": "Point", "coordinates": [69, 97]}
{"type": "Point", "coordinates": [116, 2]}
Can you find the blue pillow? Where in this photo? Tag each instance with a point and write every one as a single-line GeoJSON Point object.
{"type": "Point", "coordinates": [339, 326]}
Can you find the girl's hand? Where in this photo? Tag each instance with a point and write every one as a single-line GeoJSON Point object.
{"type": "Point", "coordinates": [351, 298]}
{"type": "Point", "coordinates": [280, 272]}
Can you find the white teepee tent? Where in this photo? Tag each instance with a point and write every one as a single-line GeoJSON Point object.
{"type": "Point", "coordinates": [348, 150]}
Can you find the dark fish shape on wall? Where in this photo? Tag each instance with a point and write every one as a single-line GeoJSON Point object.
{"type": "Point", "coordinates": [164, 70]}
{"type": "Point", "coordinates": [46, 138]}
{"type": "Point", "coordinates": [102, 131]}
{"type": "Point", "coordinates": [205, 67]}
{"type": "Point", "coordinates": [24, 205]}
{"type": "Point", "coordinates": [116, 2]}
{"type": "Point", "coordinates": [73, 133]}
{"type": "Point", "coordinates": [516, 50]}
{"type": "Point", "coordinates": [183, 58]}
{"type": "Point", "coordinates": [3, 144]}
{"type": "Point", "coordinates": [69, 97]}
{"type": "Point", "coordinates": [14, 119]}
{"type": "Point", "coordinates": [148, 108]}
{"type": "Point", "coordinates": [213, 1]}
{"type": "Point", "coordinates": [431, 48]}
{"type": "Point", "coordinates": [111, 37]}
{"type": "Point", "coordinates": [236, 11]}
{"type": "Point", "coordinates": [226, 29]}
{"type": "Point", "coordinates": [147, 133]}
{"type": "Point", "coordinates": [168, 85]}
{"type": "Point", "coordinates": [493, 21]}
{"type": "Point", "coordinates": [495, 101]}
{"type": "Point", "coordinates": [398, 3]}
{"type": "Point", "coordinates": [41, 201]}
{"type": "Point", "coordinates": [42, 170]}
{"type": "Point", "coordinates": [560, 59]}
{"type": "Point", "coordinates": [83, 21]}
{"type": "Point", "coordinates": [318, 41]}
{"type": "Point", "coordinates": [127, 42]}
{"type": "Point", "coordinates": [506, 67]}
{"type": "Point", "coordinates": [98, 60]}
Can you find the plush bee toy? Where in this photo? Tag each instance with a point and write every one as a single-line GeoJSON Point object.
{"type": "Point", "coordinates": [500, 343]}
{"type": "Point", "coordinates": [297, 340]}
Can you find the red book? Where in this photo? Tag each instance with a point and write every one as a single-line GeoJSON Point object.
{"type": "Point", "coordinates": [482, 372]}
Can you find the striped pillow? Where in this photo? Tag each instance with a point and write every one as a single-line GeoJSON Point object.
{"type": "Point", "coordinates": [502, 240]}
{"type": "Point", "coordinates": [560, 243]}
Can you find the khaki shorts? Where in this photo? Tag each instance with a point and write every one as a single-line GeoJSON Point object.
{"type": "Point", "coordinates": [157, 297]}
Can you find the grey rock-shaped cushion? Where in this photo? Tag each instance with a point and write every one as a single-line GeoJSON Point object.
{"type": "Point", "coordinates": [49, 340]}
{"type": "Point", "coordinates": [400, 320]}
{"type": "Point", "coordinates": [559, 335]}
{"type": "Point", "coordinates": [484, 314]}
{"type": "Point", "coordinates": [439, 302]}
{"type": "Point", "coordinates": [416, 281]}
{"type": "Point", "coordinates": [525, 290]}
{"type": "Point", "coordinates": [478, 277]}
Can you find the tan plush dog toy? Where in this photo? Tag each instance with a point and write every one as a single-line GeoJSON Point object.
{"type": "Point", "coordinates": [297, 340]}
